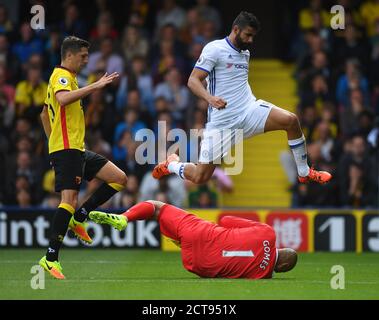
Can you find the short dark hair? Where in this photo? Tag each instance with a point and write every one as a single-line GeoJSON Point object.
{"type": "Point", "coordinates": [247, 19]}
{"type": "Point", "coordinates": [73, 44]}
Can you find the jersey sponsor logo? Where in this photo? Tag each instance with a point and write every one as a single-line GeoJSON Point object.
{"type": "Point", "coordinates": [63, 81]}
{"type": "Point", "coordinates": [240, 66]}
{"type": "Point", "coordinates": [230, 56]}
{"type": "Point", "coordinates": [236, 66]}
{"type": "Point", "coordinates": [266, 255]}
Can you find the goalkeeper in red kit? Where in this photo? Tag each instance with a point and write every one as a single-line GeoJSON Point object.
{"type": "Point", "coordinates": [234, 248]}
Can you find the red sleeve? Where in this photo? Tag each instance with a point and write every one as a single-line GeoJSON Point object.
{"type": "Point", "coordinates": [234, 222]}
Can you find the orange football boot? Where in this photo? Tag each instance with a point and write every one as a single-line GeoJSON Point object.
{"type": "Point", "coordinates": [316, 176]}
{"type": "Point", "coordinates": [80, 230]}
{"type": "Point", "coordinates": [161, 169]}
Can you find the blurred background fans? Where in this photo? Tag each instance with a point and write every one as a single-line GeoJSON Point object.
{"type": "Point", "coordinates": [330, 78]}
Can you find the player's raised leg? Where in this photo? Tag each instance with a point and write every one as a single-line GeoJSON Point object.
{"type": "Point", "coordinates": [280, 119]}
{"type": "Point", "coordinates": [114, 181]}
{"type": "Point", "coordinates": [196, 173]}
{"type": "Point", "coordinates": [141, 211]}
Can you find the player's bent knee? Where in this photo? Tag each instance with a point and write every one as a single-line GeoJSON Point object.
{"type": "Point", "coordinates": [69, 197]}
{"type": "Point", "coordinates": [122, 179]}
{"type": "Point", "coordinates": [292, 120]}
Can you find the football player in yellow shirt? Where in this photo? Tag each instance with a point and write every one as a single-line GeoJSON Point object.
{"type": "Point", "coordinates": [63, 121]}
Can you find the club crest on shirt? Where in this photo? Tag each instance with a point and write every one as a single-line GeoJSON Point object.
{"type": "Point", "coordinates": [63, 81]}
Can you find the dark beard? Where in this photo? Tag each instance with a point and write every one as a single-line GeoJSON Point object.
{"type": "Point", "coordinates": [242, 45]}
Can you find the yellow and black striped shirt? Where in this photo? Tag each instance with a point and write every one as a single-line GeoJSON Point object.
{"type": "Point", "coordinates": [67, 122]}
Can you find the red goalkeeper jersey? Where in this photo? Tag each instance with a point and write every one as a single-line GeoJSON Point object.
{"type": "Point", "coordinates": [235, 248]}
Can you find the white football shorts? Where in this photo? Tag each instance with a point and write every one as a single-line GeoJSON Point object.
{"type": "Point", "coordinates": [219, 139]}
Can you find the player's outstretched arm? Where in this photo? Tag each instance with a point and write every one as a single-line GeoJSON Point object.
{"type": "Point", "coordinates": [67, 97]}
{"type": "Point", "coordinates": [195, 83]}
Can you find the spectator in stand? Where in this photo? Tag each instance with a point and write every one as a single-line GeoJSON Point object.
{"type": "Point", "coordinates": [194, 52]}
{"type": "Point", "coordinates": [349, 114]}
{"type": "Point", "coordinates": [113, 61]}
{"type": "Point", "coordinates": [142, 8]}
{"type": "Point", "coordinates": [306, 20]}
{"type": "Point", "coordinates": [358, 187]}
{"type": "Point", "coordinates": [208, 31]}
{"type": "Point", "coordinates": [73, 25]}
{"type": "Point", "coordinates": [104, 29]}
{"type": "Point", "coordinates": [51, 201]}
{"type": "Point", "coordinates": [131, 123]}
{"type": "Point", "coordinates": [6, 25]}
{"type": "Point", "coordinates": [173, 186]}
{"type": "Point", "coordinates": [170, 13]}
{"type": "Point", "coordinates": [168, 52]}
{"type": "Point", "coordinates": [311, 44]}
{"type": "Point", "coordinates": [22, 128]}
{"type": "Point", "coordinates": [24, 198]}
{"type": "Point", "coordinates": [30, 95]}
{"type": "Point", "coordinates": [7, 96]}
{"type": "Point", "coordinates": [191, 31]}
{"type": "Point", "coordinates": [365, 122]}
{"type": "Point", "coordinates": [374, 67]}
{"type": "Point", "coordinates": [202, 197]}
{"type": "Point", "coordinates": [323, 137]}
{"type": "Point", "coordinates": [28, 45]}
{"type": "Point", "coordinates": [175, 92]}
{"type": "Point", "coordinates": [53, 51]}
{"type": "Point", "coordinates": [318, 94]}
{"type": "Point", "coordinates": [99, 116]}
{"type": "Point", "coordinates": [207, 12]}
{"type": "Point", "coordinates": [309, 118]}
{"type": "Point", "coordinates": [352, 79]}
{"type": "Point", "coordinates": [133, 44]}
{"type": "Point", "coordinates": [370, 14]}
{"type": "Point", "coordinates": [22, 182]}
{"type": "Point", "coordinates": [161, 105]}
{"type": "Point", "coordinates": [139, 82]}
{"type": "Point", "coordinates": [144, 82]}
{"type": "Point", "coordinates": [21, 164]}
{"type": "Point", "coordinates": [97, 143]}
{"type": "Point", "coordinates": [329, 115]}
{"type": "Point", "coordinates": [8, 59]}
{"type": "Point", "coordinates": [350, 46]}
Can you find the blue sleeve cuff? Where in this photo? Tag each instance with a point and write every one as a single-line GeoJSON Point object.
{"type": "Point", "coordinates": [202, 69]}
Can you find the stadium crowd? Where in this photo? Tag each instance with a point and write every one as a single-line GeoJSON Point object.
{"type": "Point", "coordinates": [154, 49]}
{"type": "Point", "coordinates": [337, 74]}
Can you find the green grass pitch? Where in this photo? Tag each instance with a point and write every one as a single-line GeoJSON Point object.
{"type": "Point", "coordinates": [152, 275]}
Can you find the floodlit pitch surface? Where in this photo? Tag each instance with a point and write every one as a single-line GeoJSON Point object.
{"type": "Point", "coordinates": [152, 274]}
